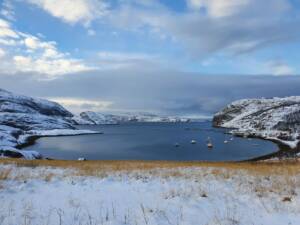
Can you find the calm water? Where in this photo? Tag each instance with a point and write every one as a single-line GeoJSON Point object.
{"type": "Point", "coordinates": [153, 141]}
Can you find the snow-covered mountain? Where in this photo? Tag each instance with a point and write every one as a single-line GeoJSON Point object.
{"type": "Point", "coordinates": [22, 117]}
{"type": "Point", "coordinates": [276, 118]}
{"type": "Point", "coordinates": [97, 118]}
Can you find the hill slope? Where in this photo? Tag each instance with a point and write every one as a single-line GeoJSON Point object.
{"type": "Point", "coordinates": [276, 118]}
{"type": "Point", "coordinates": [22, 117]}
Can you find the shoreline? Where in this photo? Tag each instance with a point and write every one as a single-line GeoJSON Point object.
{"type": "Point", "coordinates": [283, 151]}
{"type": "Point", "coordinates": [31, 140]}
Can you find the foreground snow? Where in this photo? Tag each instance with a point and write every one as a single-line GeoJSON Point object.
{"type": "Point", "coordinates": [275, 119]}
{"type": "Point", "coordinates": [207, 195]}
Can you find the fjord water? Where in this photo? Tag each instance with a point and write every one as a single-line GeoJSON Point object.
{"type": "Point", "coordinates": [153, 141]}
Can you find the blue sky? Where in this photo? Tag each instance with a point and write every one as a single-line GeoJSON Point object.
{"type": "Point", "coordinates": [60, 39]}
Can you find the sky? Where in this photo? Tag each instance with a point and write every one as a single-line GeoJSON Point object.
{"type": "Point", "coordinates": [183, 57]}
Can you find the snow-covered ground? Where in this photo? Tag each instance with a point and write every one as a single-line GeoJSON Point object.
{"type": "Point", "coordinates": [179, 196]}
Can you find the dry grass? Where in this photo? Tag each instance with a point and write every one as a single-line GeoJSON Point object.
{"type": "Point", "coordinates": [4, 174]}
{"type": "Point", "coordinates": [277, 180]}
{"type": "Point", "coordinates": [289, 168]}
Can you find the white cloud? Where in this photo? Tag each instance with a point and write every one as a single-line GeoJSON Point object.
{"type": "Point", "coordinates": [279, 68]}
{"type": "Point", "coordinates": [6, 31]}
{"type": "Point", "coordinates": [8, 42]}
{"type": "Point", "coordinates": [52, 53]}
{"type": "Point", "coordinates": [22, 61]}
{"type": "Point", "coordinates": [218, 8]}
{"type": "Point", "coordinates": [73, 11]}
{"type": "Point", "coordinates": [52, 67]}
{"type": "Point", "coordinates": [213, 26]}
{"type": "Point", "coordinates": [31, 42]}
{"type": "Point", "coordinates": [29, 53]}
{"type": "Point", "coordinates": [7, 10]}
{"type": "Point", "coordinates": [78, 104]}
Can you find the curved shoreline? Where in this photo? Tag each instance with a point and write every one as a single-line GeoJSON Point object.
{"type": "Point", "coordinates": [31, 140]}
{"type": "Point", "coordinates": [284, 150]}
{"type": "Point", "coordinates": [279, 152]}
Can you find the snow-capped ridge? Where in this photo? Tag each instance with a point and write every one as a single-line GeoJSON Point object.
{"type": "Point", "coordinates": [275, 119]}
{"type": "Point", "coordinates": [98, 118]}
{"type": "Point", "coordinates": [14, 103]}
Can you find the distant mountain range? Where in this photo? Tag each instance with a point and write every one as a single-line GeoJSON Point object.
{"type": "Point", "coordinates": [98, 118]}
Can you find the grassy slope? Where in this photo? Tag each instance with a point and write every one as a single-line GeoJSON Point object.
{"type": "Point", "coordinates": [290, 167]}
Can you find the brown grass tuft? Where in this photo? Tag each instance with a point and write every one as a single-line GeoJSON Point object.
{"type": "Point", "coordinates": [4, 174]}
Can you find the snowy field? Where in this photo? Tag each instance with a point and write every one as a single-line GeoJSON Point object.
{"type": "Point", "coordinates": [43, 195]}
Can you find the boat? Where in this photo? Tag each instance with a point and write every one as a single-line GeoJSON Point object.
{"type": "Point", "coordinates": [193, 142]}
{"type": "Point", "coordinates": [231, 139]}
{"type": "Point", "coordinates": [176, 145]}
{"type": "Point", "coordinates": [209, 145]}
{"type": "Point", "coordinates": [225, 142]}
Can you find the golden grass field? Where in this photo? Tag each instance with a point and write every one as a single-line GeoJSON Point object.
{"type": "Point", "coordinates": [286, 167]}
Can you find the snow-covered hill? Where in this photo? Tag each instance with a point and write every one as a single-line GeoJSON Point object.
{"type": "Point", "coordinates": [13, 103]}
{"type": "Point", "coordinates": [275, 119]}
{"type": "Point", "coordinates": [23, 117]}
{"type": "Point", "coordinates": [98, 118]}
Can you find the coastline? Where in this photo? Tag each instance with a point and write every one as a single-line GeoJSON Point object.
{"type": "Point", "coordinates": [30, 140]}
{"type": "Point", "coordinates": [283, 150]}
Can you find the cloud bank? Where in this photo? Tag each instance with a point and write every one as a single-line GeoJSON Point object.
{"type": "Point", "coordinates": [159, 90]}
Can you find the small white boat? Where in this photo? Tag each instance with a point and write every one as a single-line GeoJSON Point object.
{"type": "Point", "coordinates": [82, 159]}
{"type": "Point", "coordinates": [209, 145]}
{"type": "Point", "coordinates": [225, 142]}
{"type": "Point", "coordinates": [231, 139]}
{"type": "Point", "coordinates": [193, 142]}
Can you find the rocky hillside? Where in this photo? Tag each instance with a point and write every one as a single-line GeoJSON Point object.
{"type": "Point", "coordinates": [276, 118]}
{"type": "Point", "coordinates": [22, 117]}
{"type": "Point", "coordinates": [98, 118]}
